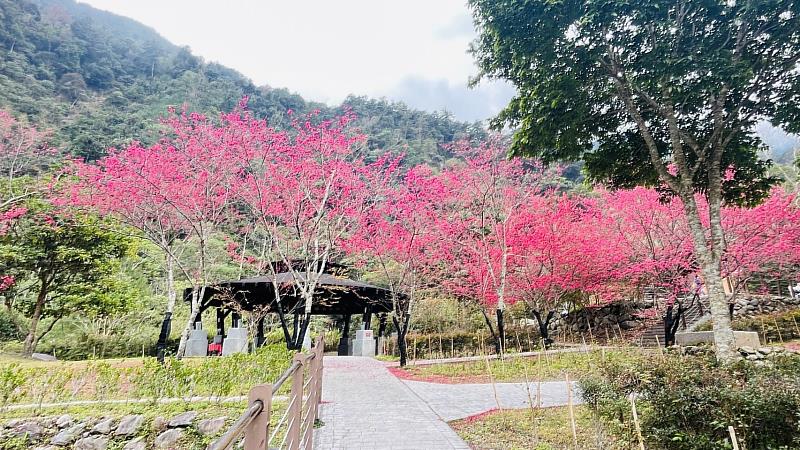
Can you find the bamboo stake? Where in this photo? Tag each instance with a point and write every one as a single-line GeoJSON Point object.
{"type": "Point", "coordinates": [527, 380]}
{"type": "Point", "coordinates": [539, 384]}
{"type": "Point", "coordinates": [796, 328]}
{"type": "Point", "coordinates": [733, 437]}
{"type": "Point", "coordinates": [571, 413]}
{"type": "Point", "coordinates": [491, 378]}
{"type": "Point", "coordinates": [636, 424]}
{"type": "Point", "coordinates": [660, 350]}
{"type": "Point", "coordinates": [778, 329]}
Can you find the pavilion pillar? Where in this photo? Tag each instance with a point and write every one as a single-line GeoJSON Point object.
{"type": "Point", "coordinates": [344, 339]}
{"type": "Point", "coordinates": [382, 325]}
{"type": "Point", "coordinates": [236, 320]}
{"type": "Point", "coordinates": [367, 319]}
{"type": "Point", "coordinates": [379, 347]}
{"type": "Point", "coordinates": [260, 333]}
{"type": "Point", "coordinates": [220, 323]}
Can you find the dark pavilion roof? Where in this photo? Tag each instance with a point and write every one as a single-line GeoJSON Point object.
{"type": "Point", "coordinates": [334, 294]}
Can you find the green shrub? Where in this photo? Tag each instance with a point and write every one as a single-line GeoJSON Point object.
{"type": "Point", "coordinates": [12, 379]}
{"type": "Point", "coordinates": [689, 402]}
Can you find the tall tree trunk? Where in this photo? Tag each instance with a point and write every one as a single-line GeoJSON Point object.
{"type": "Point", "coordinates": [29, 344]}
{"type": "Point", "coordinates": [402, 330]}
{"type": "Point", "coordinates": [544, 330]}
{"type": "Point", "coordinates": [166, 325]}
{"type": "Point", "coordinates": [495, 336]}
{"type": "Point", "coordinates": [501, 331]}
{"type": "Point", "coordinates": [709, 253]}
{"type": "Point", "coordinates": [198, 293]}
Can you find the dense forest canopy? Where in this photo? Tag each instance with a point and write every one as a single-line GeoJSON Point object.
{"type": "Point", "coordinates": [100, 79]}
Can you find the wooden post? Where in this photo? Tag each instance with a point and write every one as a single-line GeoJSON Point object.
{"type": "Point", "coordinates": [733, 437]}
{"type": "Point", "coordinates": [636, 424]}
{"type": "Point", "coordinates": [777, 329]}
{"type": "Point", "coordinates": [319, 358]}
{"type": "Point", "coordinates": [255, 435]}
{"type": "Point", "coordinates": [571, 413]}
{"type": "Point", "coordinates": [296, 405]}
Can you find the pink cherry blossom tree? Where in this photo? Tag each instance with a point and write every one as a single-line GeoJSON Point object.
{"type": "Point", "coordinates": [397, 236]}
{"type": "Point", "coordinates": [485, 195]}
{"type": "Point", "coordinates": [307, 190]}
{"type": "Point", "coordinates": [179, 190]}
{"type": "Point", "coordinates": [561, 257]}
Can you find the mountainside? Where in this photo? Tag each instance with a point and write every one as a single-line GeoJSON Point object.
{"type": "Point", "coordinates": [100, 80]}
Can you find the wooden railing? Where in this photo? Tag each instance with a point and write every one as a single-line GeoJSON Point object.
{"type": "Point", "coordinates": [295, 429]}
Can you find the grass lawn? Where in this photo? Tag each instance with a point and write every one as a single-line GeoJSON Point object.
{"type": "Point", "coordinates": [544, 429]}
{"type": "Point", "coordinates": [517, 369]}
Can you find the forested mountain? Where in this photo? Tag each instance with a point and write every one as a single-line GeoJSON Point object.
{"type": "Point", "coordinates": [99, 80]}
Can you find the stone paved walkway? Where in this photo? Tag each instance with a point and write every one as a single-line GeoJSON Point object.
{"type": "Point", "coordinates": [365, 407]}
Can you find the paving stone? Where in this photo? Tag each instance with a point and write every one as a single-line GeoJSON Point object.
{"type": "Point", "coordinates": [168, 439]}
{"type": "Point", "coordinates": [129, 425]}
{"type": "Point", "coordinates": [210, 427]}
{"type": "Point", "coordinates": [68, 436]}
{"type": "Point", "coordinates": [355, 389]}
{"type": "Point", "coordinates": [32, 429]}
{"type": "Point", "coordinates": [160, 424]}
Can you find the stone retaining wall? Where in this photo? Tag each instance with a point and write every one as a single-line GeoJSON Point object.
{"type": "Point", "coordinates": [626, 316]}
{"type": "Point", "coordinates": [753, 305]}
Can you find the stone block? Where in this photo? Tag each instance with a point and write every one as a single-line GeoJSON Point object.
{"type": "Point", "coordinates": [740, 338]}
{"type": "Point", "coordinates": [197, 344]}
{"type": "Point", "coordinates": [235, 341]}
{"type": "Point", "coordinates": [364, 343]}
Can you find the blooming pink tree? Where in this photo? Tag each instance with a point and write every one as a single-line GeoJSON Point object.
{"type": "Point", "coordinates": [397, 236]}
{"type": "Point", "coordinates": [561, 257]}
{"type": "Point", "coordinates": [23, 151]}
{"type": "Point", "coordinates": [484, 198]}
{"type": "Point", "coordinates": [307, 190]}
{"type": "Point", "coordinates": [179, 189]}
{"type": "Point", "coordinates": [764, 239]}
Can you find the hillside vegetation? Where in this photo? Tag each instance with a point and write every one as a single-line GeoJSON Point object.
{"type": "Point", "coordinates": [100, 80]}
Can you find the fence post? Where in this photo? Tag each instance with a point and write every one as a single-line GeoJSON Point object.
{"type": "Point", "coordinates": [255, 435]}
{"type": "Point", "coordinates": [296, 404]}
{"type": "Point", "coordinates": [318, 374]}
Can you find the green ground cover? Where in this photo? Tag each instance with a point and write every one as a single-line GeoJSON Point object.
{"type": "Point", "coordinates": [542, 429]}
{"type": "Point", "coordinates": [546, 367]}
{"type": "Point", "coordinates": [26, 381]}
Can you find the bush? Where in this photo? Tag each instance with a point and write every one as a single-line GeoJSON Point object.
{"type": "Point", "coordinates": [689, 402]}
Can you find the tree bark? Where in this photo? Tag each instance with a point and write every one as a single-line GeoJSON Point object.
{"type": "Point", "coordinates": [671, 323]}
{"type": "Point", "coordinates": [544, 330]}
{"type": "Point", "coordinates": [501, 331]}
{"type": "Point", "coordinates": [197, 294]}
{"type": "Point", "coordinates": [495, 336]}
{"type": "Point", "coordinates": [709, 256]}
{"type": "Point", "coordinates": [402, 330]}
{"type": "Point", "coordinates": [30, 342]}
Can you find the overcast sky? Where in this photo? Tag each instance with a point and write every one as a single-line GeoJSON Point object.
{"type": "Point", "coordinates": [409, 50]}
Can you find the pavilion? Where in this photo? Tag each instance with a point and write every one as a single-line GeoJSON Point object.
{"type": "Point", "coordinates": [336, 295]}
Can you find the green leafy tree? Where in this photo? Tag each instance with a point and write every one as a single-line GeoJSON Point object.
{"type": "Point", "coordinates": [651, 92]}
{"type": "Point", "coordinates": [63, 264]}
